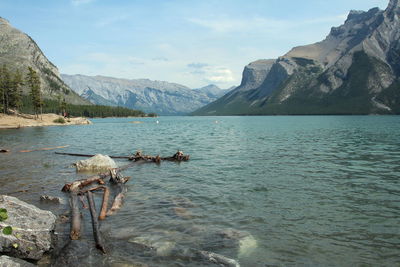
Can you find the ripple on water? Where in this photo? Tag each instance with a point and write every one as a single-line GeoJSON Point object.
{"type": "Point", "coordinates": [307, 190]}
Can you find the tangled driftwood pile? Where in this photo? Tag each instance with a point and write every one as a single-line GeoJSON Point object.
{"type": "Point", "coordinates": [138, 156]}
{"type": "Point", "coordinates": [80, 188]}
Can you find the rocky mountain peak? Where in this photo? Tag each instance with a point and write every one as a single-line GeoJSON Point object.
{"type": "Point", "coordinates": [393, 4]}
{"type": "Point", "coordinates": [393, 9]}
{"type": "Point", "coordinates": [161, 97]}
{"type": "Point", "coordinates": [255, 73]}
{"type": "Point", "coordinates": [354, 70]}
{"type": "Point", "coordinates": [4, 21]}
{"type": "Point", "coordinates": [358, 16]}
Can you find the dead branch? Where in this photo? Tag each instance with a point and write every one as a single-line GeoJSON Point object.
{"type": "Point", "coordinates": [104, 205]}
{"type": "Point", "coordinates": [118, 200]}
{"type": "Point", "coordinates": [75, 186]}
{"type": "Point", "coordinates": [82, 201]}
{"type": "Point", "coordinates": [89, 155]}
{"type": "Point", "coordinates": [106, 196]}
{"type": "Point", "coordinates": [95, 223]}
{"type": "Point", "coordinates": [41, 149]}
{"type": "Point", "coordinates": [76, 218]}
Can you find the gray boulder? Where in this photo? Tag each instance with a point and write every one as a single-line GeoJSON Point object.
{"type": "Point", "coordinates": [98, 162]}
{"type": "Point", "coordinates": [6, 261]}
{"type": "Point", "coordinates": [33, 228]}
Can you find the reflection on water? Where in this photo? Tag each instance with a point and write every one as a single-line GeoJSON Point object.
{"type": "Point", "coordinates": [260, 190]}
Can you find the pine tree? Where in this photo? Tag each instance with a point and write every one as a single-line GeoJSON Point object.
{"type": "Point", "coordinates": [33, 81]}
{"type": "Point", "coordinates": [63, 107]}
{"type": "Point", "coordinates": [16, 91]}
{"type": "Point", "coordinates": [1, 90]}
{"type": "Point", "coordinates": [5, 84]}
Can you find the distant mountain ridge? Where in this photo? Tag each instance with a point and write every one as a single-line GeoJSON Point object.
{"type": "Point", "coordinates": [161, 97]}
{"type": "Point", "coordinates": [355, 70]}
{"type": "Point", "coordinates": [20, 51]}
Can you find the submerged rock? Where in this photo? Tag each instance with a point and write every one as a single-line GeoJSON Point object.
{"type": "Point", "coordinates": [74, 253]}
{"type": "Point", "coordinates": [6, 261]}
{"type": "Point", "coordinates": [51, 199]}
{"type": "Point", "coordinates": [32, 229]}
{"type": "Point", "coordinates": [98, 162]}
{"type": "Point", "coordinates": [159, 244]}
{"type": "Point", "coordinates": [217, 259]}
{"type": "Point", "coordinates": [245, 241]}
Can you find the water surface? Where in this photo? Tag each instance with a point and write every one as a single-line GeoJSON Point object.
{"type": "Point", "coordinates": [284, 190]}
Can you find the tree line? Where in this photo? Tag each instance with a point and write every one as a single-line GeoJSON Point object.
{"type": "Point", "coordinates": [90, 111]}
{"type": "Point", "coordinates": [11, 94]}
{"type": "Point", "coordinates": [12, 97]}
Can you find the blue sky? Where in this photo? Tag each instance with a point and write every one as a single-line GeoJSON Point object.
{"type": "Point", "coordinates": [191, 42]}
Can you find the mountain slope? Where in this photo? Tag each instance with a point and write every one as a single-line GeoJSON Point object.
{"type": "Point", "coordinates": [355, 70]}
{"type": "Point", "coordinates": [19, 51]}
{"type": "Point", "coordinates": [150, 96]}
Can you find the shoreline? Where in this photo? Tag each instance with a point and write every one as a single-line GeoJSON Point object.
{"type": "Point", "coordinates": [26, 120]}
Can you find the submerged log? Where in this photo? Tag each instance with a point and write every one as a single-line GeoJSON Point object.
{"type": "Point", "coordinates": [81, 198]}
{"type": "Point", "coordinates": [77, 185]}
{"type": "Point", "coordinates": [118, 200]}
{"type": "Point", "coordinates": [95, 223]}
{"type": "Point", "coordinates": [75, 232]}
{"type": "Point", "coordinates": [99, 178]}
{"type": "Point", "coordinates": [90, 155]}
{"type": "Point", "coordinates": [138, 157]}
{"type": "Point", "coordinates": [104, 205]}
{"type": "Point", "coordinates": [106, 196]}
{"type": "Point", "coordinates": [42, 149]}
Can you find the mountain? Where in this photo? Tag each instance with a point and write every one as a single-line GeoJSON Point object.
{"type": "Point", "coordinates": [213, 91]}
{"type": "Point", "coordinates": [161, 97]}
{"type": "Point", "coordinates": [355, 70]}
{"type": "Point", "coordinates": [19, 51]}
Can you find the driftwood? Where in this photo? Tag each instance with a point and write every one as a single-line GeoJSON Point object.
{"type": "Point", "coordinates": [75, 218]}
{"type": "Point", "coordinates": [99, 178]}
{"type": "Point", "coordinates": [95, 223]}
{"type": "Point", "coordinates": [104, 205]}
{"type": "Point", "coordinates": [138, 157]}
{"type": "Point", "coordinates": [89, 155]}
{"type": "Point", "coordinates": [178, 156]}
{"type": "Point", "coordinates": [118, 200]}
{"type": "Point", "coordinates": [106, 196]}
{"type": "Point", "coordinates": [81, 198]}
{"type": "Point", "coordinates": [42, 149]}
{"type": "Point", "coordinates": [75, 186]}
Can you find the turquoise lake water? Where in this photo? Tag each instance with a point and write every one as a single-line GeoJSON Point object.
{"type": "Point", "coordinates": [265, 191]}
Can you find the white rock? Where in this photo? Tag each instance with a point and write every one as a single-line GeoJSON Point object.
{"type": "Point", "coordinates": [32, 229]}
{"type": "Point", "coordinates": [98, 162]}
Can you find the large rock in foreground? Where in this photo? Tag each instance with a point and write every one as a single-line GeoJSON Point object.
{"type": "Point", "coordinates": [32, 229]}
{"type": "Point", "coordinates": [98, 162]}
{"type": "Point", "coordinates": [6, 261]}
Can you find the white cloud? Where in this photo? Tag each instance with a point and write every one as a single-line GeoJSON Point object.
{"type": "Point", "coordinates": [220, 75]}
{"type": "Point", "coordinates": [111, 20]}
{"type": "Point", "coordinates": [224, 24]}
{"type": "Point", "coordinates": [80, 2]}
{"type": "Point", "coordinates": [211, 74]}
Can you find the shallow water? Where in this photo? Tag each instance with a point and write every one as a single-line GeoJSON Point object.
{"type": "Point", "coordinates": [284, 191]}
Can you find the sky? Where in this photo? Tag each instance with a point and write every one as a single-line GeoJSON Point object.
{"type": "Point", "coordinates": [190, 42]}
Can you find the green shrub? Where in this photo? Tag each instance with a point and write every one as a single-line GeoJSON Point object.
{"type": "Point", "coordinates": [59, 120]}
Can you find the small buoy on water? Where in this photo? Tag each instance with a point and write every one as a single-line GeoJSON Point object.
{"type": "Point", "coordinates": [216, 121]}
{"type": "Point", "coordinates": [157, 122]}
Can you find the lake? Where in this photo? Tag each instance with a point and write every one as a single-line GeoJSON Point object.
{"type": "Point", "coordinates": [265, 191]}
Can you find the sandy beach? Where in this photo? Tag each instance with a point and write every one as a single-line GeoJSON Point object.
{"type": "Point", "coordinates": [25, 120]}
